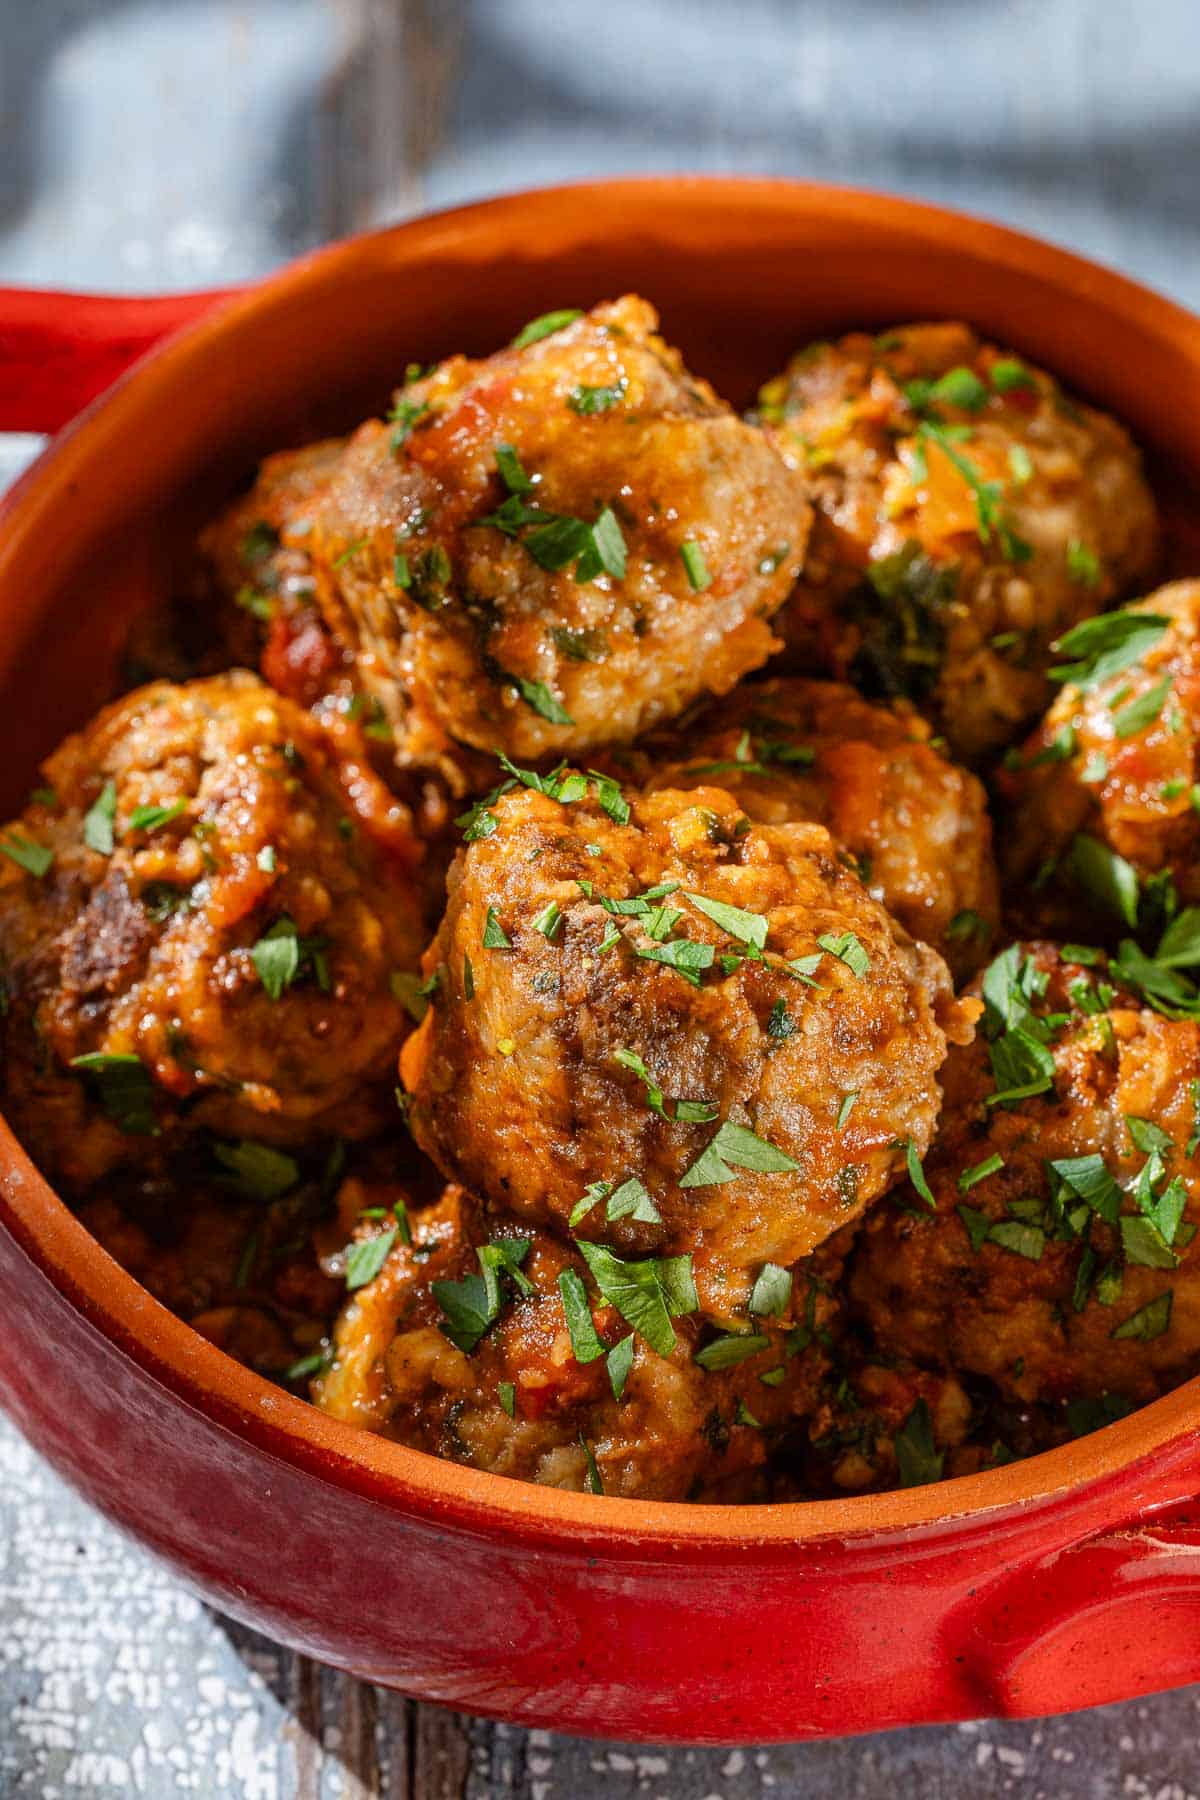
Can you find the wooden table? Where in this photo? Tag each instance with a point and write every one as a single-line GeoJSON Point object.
{"type": "Point", "coordinates": [156, 145]}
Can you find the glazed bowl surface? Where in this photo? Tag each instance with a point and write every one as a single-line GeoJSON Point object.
{"type": "Point", "coordinates": [1067, 1580]}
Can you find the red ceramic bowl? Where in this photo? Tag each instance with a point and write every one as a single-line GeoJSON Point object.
{"type": "Point", "coordinates": [1059, 1582]}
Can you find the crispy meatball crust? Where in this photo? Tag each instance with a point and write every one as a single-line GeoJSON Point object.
{"type": "Point", "coordinates": [538, 1069]}
{"type": "Point", "coordinates": [1116, 758]}
{"type": "Point", "coordinates": [139, 939]}
{"type": "Point", "coordinates": [521, 1403]}
{"type": "Point", "coordinates": [1014, 1274]}
{"type": "Point", "coordinates": [471, 620]}
{"type": "Point", "coordinates": [918, 826]}
{"type": "Point", "coordinates": [942, 566]}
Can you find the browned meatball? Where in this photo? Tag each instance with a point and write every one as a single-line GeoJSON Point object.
{"type": "Point", "coordinates": [967, 513]}
{"type": "Point", "coordinates": [204, 917]}
{"type": "Point", "coordinates": [555, 548]}
{"type": "Point", "coordinates": [1103, 796]}
{"type": "Point", "coordinates": [916, 825]}
{"type": "Point", "coordinates": [589, 1375]}
{"type": "Point", "coordinates": [696, 1032]}
{"type": "Point", "coordinates": [1057, 1258]}
{"type": "Point", "coordinates": [258, 555]}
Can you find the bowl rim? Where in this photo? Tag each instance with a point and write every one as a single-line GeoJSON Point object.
{"type": "Point", "coordinates": [413, 1482]}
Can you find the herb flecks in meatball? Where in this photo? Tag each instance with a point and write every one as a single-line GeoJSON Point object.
{"type": "Point", "coordinates": [696, 1032]}
{"type": "Point", "coordinates": [967, 513]}
{"type": "Point", "coordinates": [1052, 1247]}
{"type": "Point", "coordinates": [210, 920]}
{"type": "Point", "coordinates": [916, 826]}
{"type": "Point", "coordinates": [554, 548]}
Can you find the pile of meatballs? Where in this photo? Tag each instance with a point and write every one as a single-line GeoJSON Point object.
{"type": "Point", "coordinates": [536, 977]}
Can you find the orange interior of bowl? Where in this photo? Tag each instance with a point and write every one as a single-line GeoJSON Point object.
{"type": "Point", "coordinates": [742, 273]}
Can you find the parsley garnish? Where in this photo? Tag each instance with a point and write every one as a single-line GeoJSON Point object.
{"type": "Point", "coordinates": [647, 1294]}
{"type": "Point", "coordinates": [1106, 876]}
{"type": "Point", "coordinates": [735, 1145]}
{"type": "Point", "coordinates": [692, 557]}
{"type": "Point", "coordinates": [472, 1305]}
{"type": "Point", "coordinates": [545, 326]}
{"type": "Point", "coordinates": [257, 1170]}
{"type": "Point", "coordinates": [507, 1393]}
{"type": "Point", "coordinates": [586, 1346]}
{"type": "Point", "coordinates": [35, 859]}
{"type": "Point", "coordinates": [1137, 714]}
{"type": "Point", "coordinates": [731, 1348]}
{"type": "Point", "coordinates": [494, 935]}
{"type": "Point", "coordinates": [618, 1362]}
{"type": "Point", "coordinates": [918, 1460]}
{"type": "Point", "coordinates": [916, 1173]}
{"type": "Point", "coordinates": [594, 1484]}
{"type": "Point", "coordinates": [1083, 565]}
{"type": "Point", "coordinates": [124, 1090]}
{"type": "Point", "coordinates": [847, 949]}
{"type": "Point", "coordinates": [771, 1292]}
{"type": "Point", "coordinates": [1105, 645]}
{"type": "Point", "coordinates": [538, 696]}
{"type": "Point", "coordinates": [587, 400]}
{"type": "Point", "coordinates": [991, 1165]}
{"type": "Point", "coordinates": [281, 953]}
{"type": "Point", "coordinates": [1149, 1322]}
{"type": "Point", "coordinates": [98, 820]}
{"type": "Point", "coordinates": [150, 818]}
{"type": "Point", "coordinates": [365, 1258]}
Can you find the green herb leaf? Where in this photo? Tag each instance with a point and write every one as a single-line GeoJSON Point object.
{"type": "Point", "coordinates": [585, 1344]}
{"type": "Point", "coordinates": [507, 1393]}
{"type": "Point", "coordinates": [976, 1224]}
{"type": "Point", "coordinates": [537, 695]}
{"type": "Point", "coordinates": [1149, 1322]}
{"type": "Point", "coordinates": [124, 1089]}
{"type": "Point", "coordinates": [594, 1484]}
{"type": "Point", "coordinates": [847, 948]}
{"type": "Point", "coordinates": [257, 1170]}
{"type": "Point", "coordinates": [366, 1257]}
{"type": "Point", "coordinates": [545, 326]}
{"type": "Point", "coordinates": [1137, 714]}
{"type": "Point", "coordinates": [732, 1348]}
{"type": "Point", "coordinates": [619, 1362]}
{"type": "Point", "coordinates": [631, 1201]}
{"type": "Point", "coordinates": [772, 1291]}
{"type": "Point", "coordinates": [494, 935]}
{"type": "Point", "coordinates": [644, 1293]}
{"type": "Point", "coordinates": [588, 400]}
{"type": "Point", "coordinates": [35, 859]}
{"type": "Point", "coordinates": [1143, 1244]}
{"type": "Point", "coordinates": [681, 954]}
{"type": "Point", "coordinates": [1106, 876]}
{"type": "Point", "coordinates": [150, 818]}
{"type": "Point", "coordinates": [1022, 1239]}
{"type": "Point", "coordinates": [1083, 565]}
{"type": "Point", "coordinates": [1106, 644]}
{"type": "Point", "coordinates": [1088, 1177]}
{"type": "Point", "coordinates": [692, 557]}
{"type": "Point", "coordinates": [512, 473]}
{"type": "Point", "coordinates": [990, 1165]}
{"type": "Point", "coordinates": [1007, 373]}
{"type": "Point", "coordinates": [276, 956]}
{"type": "Point", "coordinates": [735, 1144]}
{"type": "Point", "coordinates": [918, 1460]}
{"type": "Point", "coordinates": [746, 927]}
{"type": "Point", "coordinates": [98, 820]}
{"type": "Point", "coordinates": [916, 1174]}
{"type": "Point", "coordinates": [844, 1110]}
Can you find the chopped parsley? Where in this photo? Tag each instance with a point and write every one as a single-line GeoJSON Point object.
{"type": "Point", "coordinates": [471, 1306]}
{"type": "Point", "coordinates": [735, 1146]}
{"type": "Point", "coordinates": [1083, 565]}
{"type": "Point", "coordinates": [619, 1362]}
{"type": "Point", "coordinates": [151, 818]}
{"type": "Point", "coordinates": [593, 1482]}
{"type": "Point", "coordinates": [1104, 645]}
{"type": "Point", "coordinates": [848, 949]}
{"type": "Point", "coordinates": [281, 954]}
{"type": "Point", "coordinates": [586, 1346]}
{"type": "Point", "coordinates": [1007, 373]}
{"type": "Point", "coordinates": [124, 1089]}
{"type": "Point", "coordinates": [34, 858]}
{"type": "Point", "coordinates": [916, 1173]}
{"type": "Point", "coordinates": [647, 1294]}
{"type": "Point", "coordinates": [586, 400]}
{"type": "Point", "coordinates": [918, 1460]}
{"type": "Point", "coordinates": [991, 1165]}
{"type": "Point", "coordinates": [732, 1348]}
{"type": "Point", "coordinates": [98, 820]}
{"type": "Point", "coordinates": [539, 698]}
{"type": "Point", "coordinates": [746, 927]}
{"type": "Point", "coordinates": [692, 557]}
{"type": "Point", "coordinates": [545, 326]}
{"type": "Point", "coordinates": [772, 1291]}
{"type": "Point", "coordinates": [1105, 875]}
{"type": "Point", "coordinates": [507, 1393]}
{"type": "Point", "coordinates": [365, 1258]}
{"type": "Point", "coordinates": [1138, 713]}
{"type": "Point", "coordinates": [256, 1170]}
{"type": "Point", "coordinates": [494, 935]}
{"type": "Point", "coordinates": [1149, 1322]}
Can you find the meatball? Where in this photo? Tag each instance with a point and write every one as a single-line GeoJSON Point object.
{"type": "Point", "coordinates": [917, 826]}
{"type": "Point", "coordinates": [555, 548]}
{"type": "Point", "coordinates": [967, 513]}
{"type": "Point", "coordinates": [698, 1032]}
{"type": "Point", "coordinates": [496, 1345]}
{"type": "Point", "coordinates": [1057, 1255]}
{"type": "Point", "coordinates": [208, 921]}
{"type": "Point", "coordinates": [257, 555]}
{"type": "Point", "coordinates": [1111, 771]}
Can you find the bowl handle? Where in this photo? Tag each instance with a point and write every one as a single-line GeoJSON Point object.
{"type": "Point", "coordinates": [58, 351]}
{"type": "Point", "coordinates": [1113, 1616]}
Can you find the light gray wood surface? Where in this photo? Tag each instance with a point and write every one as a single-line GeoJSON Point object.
{"type": "Point", "coordinates": [148, 144]}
